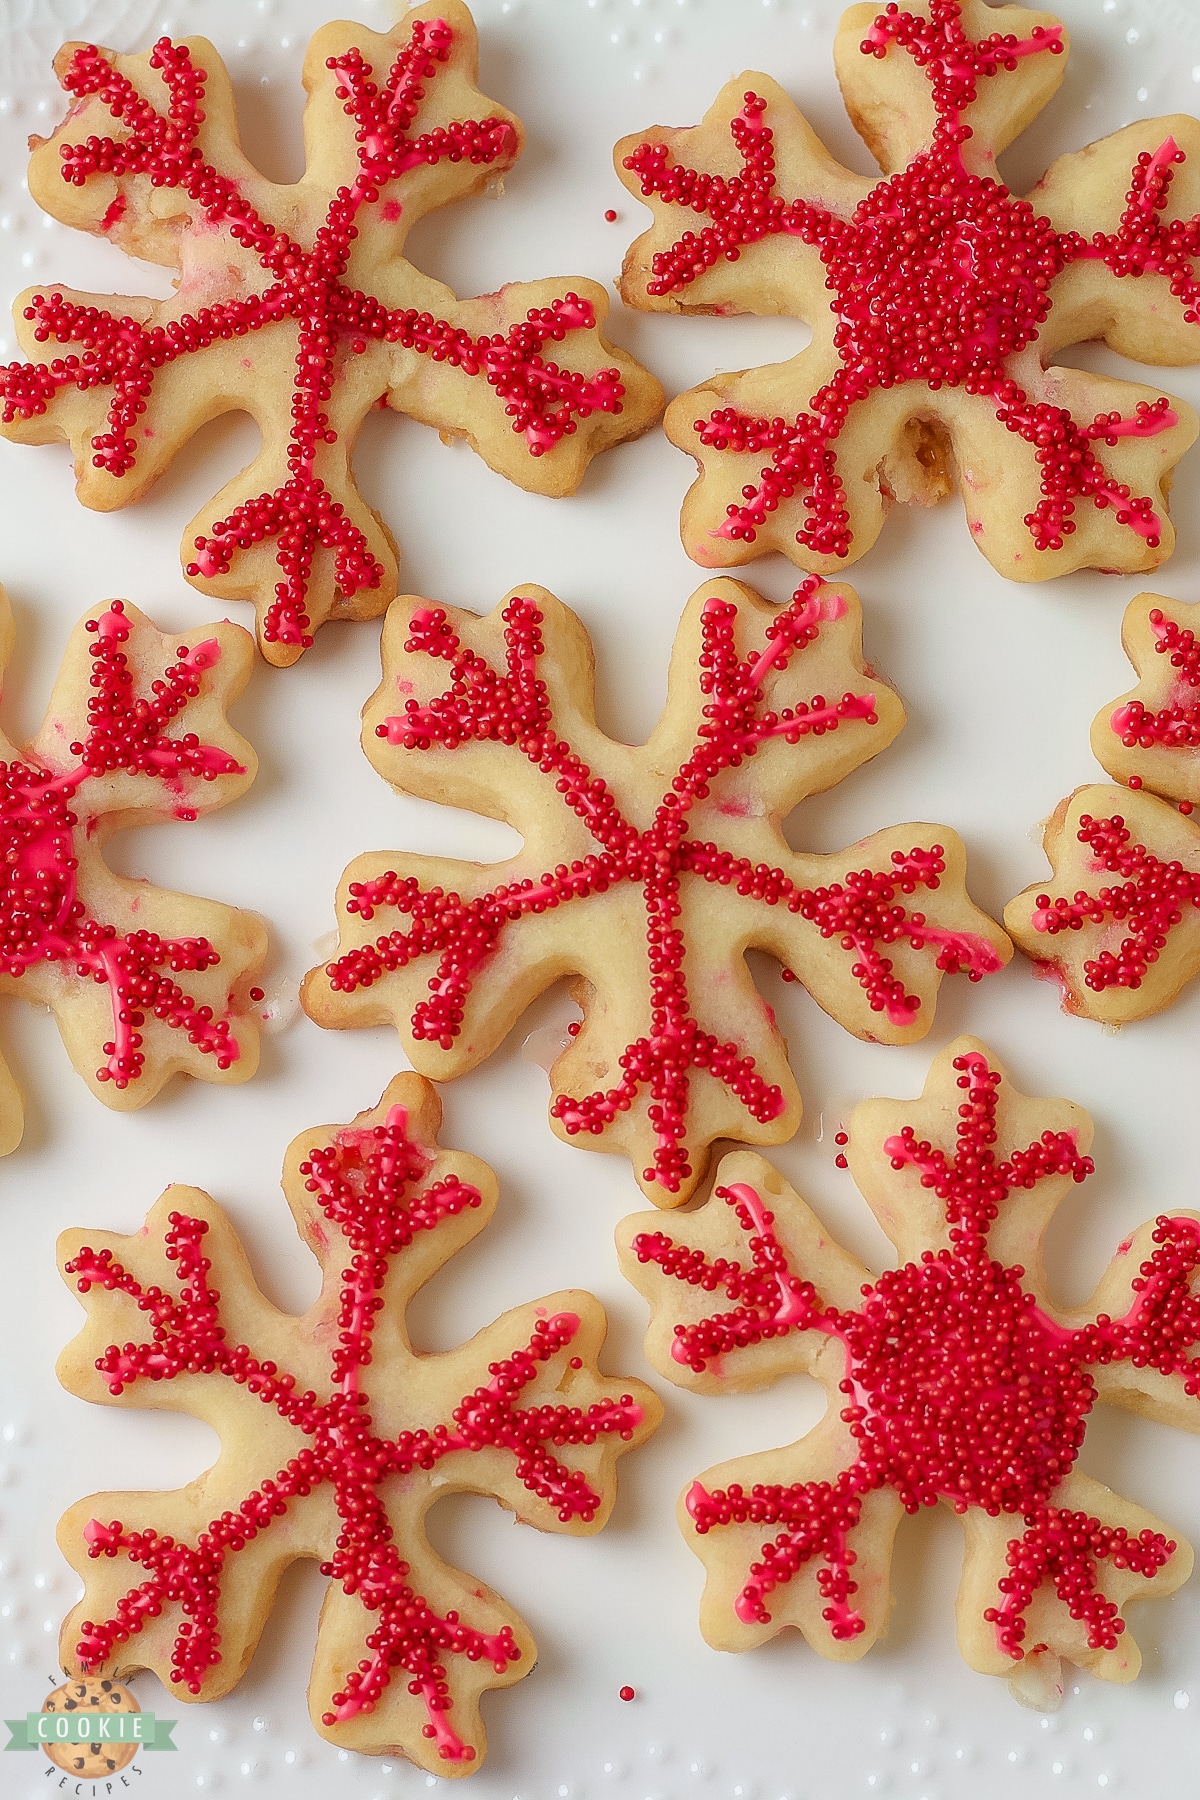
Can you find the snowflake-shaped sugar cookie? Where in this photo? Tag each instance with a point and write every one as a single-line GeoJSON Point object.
{"type": "Point", "coordinates": [1118, 924]}
{"type": "Point", "coordinates": [646, 873]}
{"type": "Point", "coordinates": [951, 1378]}
{"type": "Point", "coordinates": [142, 982]}
{"type": "Point", "coordinates": [336, 1439]}
{"type": "Point", "coordinates": [296, 304]}
{"type": "Point", "coordinates": [937, 300]}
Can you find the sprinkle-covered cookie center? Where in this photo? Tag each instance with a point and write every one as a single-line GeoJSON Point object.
{"type": "Point", "coordinates": [44, 811]}
{"type": "Point", "coordinates": [956, 1385]}
{"type": "Point", "coordinates": [940, 276]}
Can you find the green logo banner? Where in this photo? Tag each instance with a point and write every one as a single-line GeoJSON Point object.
{"type": "Point", "coordinates": [38, 1730]}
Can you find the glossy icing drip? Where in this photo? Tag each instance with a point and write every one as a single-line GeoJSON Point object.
{"type": "Point", "coordinates": [939, 277]}
{"type": "Point", "coordinates": [304, 289]}
{"type": "Point", "coordinates": [957, 1386]}
{"type": "Point", "coordinates": [1151, 898]}
{"type": "Point", "coordinates": [47, 811]}
{"type": "Point", "coordinates": [512, 706]}
{"type": "Point", "coordinates": [373, 1187]}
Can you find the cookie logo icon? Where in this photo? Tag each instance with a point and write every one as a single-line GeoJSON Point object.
{"type": "Point", "coordinates": [98, 1757]}
{"type": "Point", "coordinates": [91, 1728]}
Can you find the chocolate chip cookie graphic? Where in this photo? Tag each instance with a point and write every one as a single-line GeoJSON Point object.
{"type": "Point", "coordinates": [91, 1762]}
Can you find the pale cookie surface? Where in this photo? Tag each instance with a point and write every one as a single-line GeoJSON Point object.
{"type": "Point", "coordinates": [646, 871]}
{"type": "Point", "coordinates": [1118, 923]}
{"type": "Point", "coordinates": [143, 983]}
{"type": "Point", "coordinates": [951, 1378]}
{"type": "Point", "coordinates": [296, 304]}
{"type": "Point", "coordinates": [936, 300]}
{"type": "Point", "coordinates": [336, 1439]}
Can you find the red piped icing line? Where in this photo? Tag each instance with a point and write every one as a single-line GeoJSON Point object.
{"type": "Point", "coordinates": [957, 1386]}
{"type": "Point", "coordinates": [303, 284]}
{"type": "Point", "coordinates": [1176, 726]}
{"type": "Point", "coordinates": [44, 809]}
{"type": "Point", "coordinates": [939, 277]}
{"type": "Point", "coordinates": [512, 706]}
{"type": "Point", "coordinates": [1147, 420]}
{"type": "Point", "coordinates": [373, 1185]}
{"type": "Point", "coordinates": [1151, 898]}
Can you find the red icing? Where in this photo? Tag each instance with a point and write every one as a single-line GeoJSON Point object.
{"type": "Point", "coordinates": [957, 1386]}
{"type": "Point", "coordinates": [940, 276]}
{"type": "Point", "coordinates": [1174, 727]}
{"type": "Point", "coordinates": [45, 808]}
{"type": "Point", "coordinates": [372, 1187]}
{"type": "Point", "coordinates": [1150, 900]}
{"type": "Point", "coordinates": [512, 706]}
{"type": "Point", "coordinates": [304, 284]}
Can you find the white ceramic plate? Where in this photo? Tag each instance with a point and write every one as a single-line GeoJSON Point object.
{"type": "Point", "coordinates": [1001, 683]}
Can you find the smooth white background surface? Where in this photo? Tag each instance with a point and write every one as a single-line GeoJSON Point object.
{"type": "Point", "coordinates": [1001, 683]}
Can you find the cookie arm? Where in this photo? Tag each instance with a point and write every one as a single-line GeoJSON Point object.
{"type": "Point", "coordinates": [708, 185]}
{"type": "Point", "coordinates": [742, 1290]}
{"type": "Point", "coordinates": [1119, 1553]}
{"type": "Point", "coordinates": [441, 1732]}
{"type": "Point", "coordinates": [543, 390]}
{"type": "Point", "coordinates": [891, 1176]}
{"type": "Point", "coordinates": [800, 1552]}
{"type": "Point", "coordinates": [876, 928]}
{"type": "Point", "coordinates": [170, 751]}
{"type": "Point", "coordinates": [888, 96]}
{"type": "Point", "coordinates": [1120, 927]}
{"type": "Point", "coordinates": [1152, 732]}
{"type": "Point", "coordinates": [1130, 203]}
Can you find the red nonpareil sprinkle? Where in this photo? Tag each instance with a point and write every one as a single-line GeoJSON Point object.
{"type": "Point", "coordinates": [957, 1386]}
{"type": "Point", "coordinates": [940, 277]}
{"type": "Point", "coordinates": [611, 216]}
{"type": "Point", "coordinates": [628, 1693]}
{"type": "Point", "coordinates": [257, 993]}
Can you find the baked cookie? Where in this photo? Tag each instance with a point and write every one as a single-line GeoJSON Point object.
{"type": "Point", "coordinates": [336, 1439]}
{"type": "Point", "coordinates": [646, 872]}
{"type": "Point", "coordinates": [296, 304]}
{"type": "Point", "coordinates": [91, 1762]}
{"type": "Point", "coordinates": [1118, 924]}
{"type": "Point", "coordinates": [12, 1111]}
{"type": "Point", "coordinates": [142, 982]}
{"type": "Point", "coordinates": [952, 1377]}
{"type": "Point", "coordinates": [936, 300]}
{"type": "Point", "coordinates": [1150, 737]}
